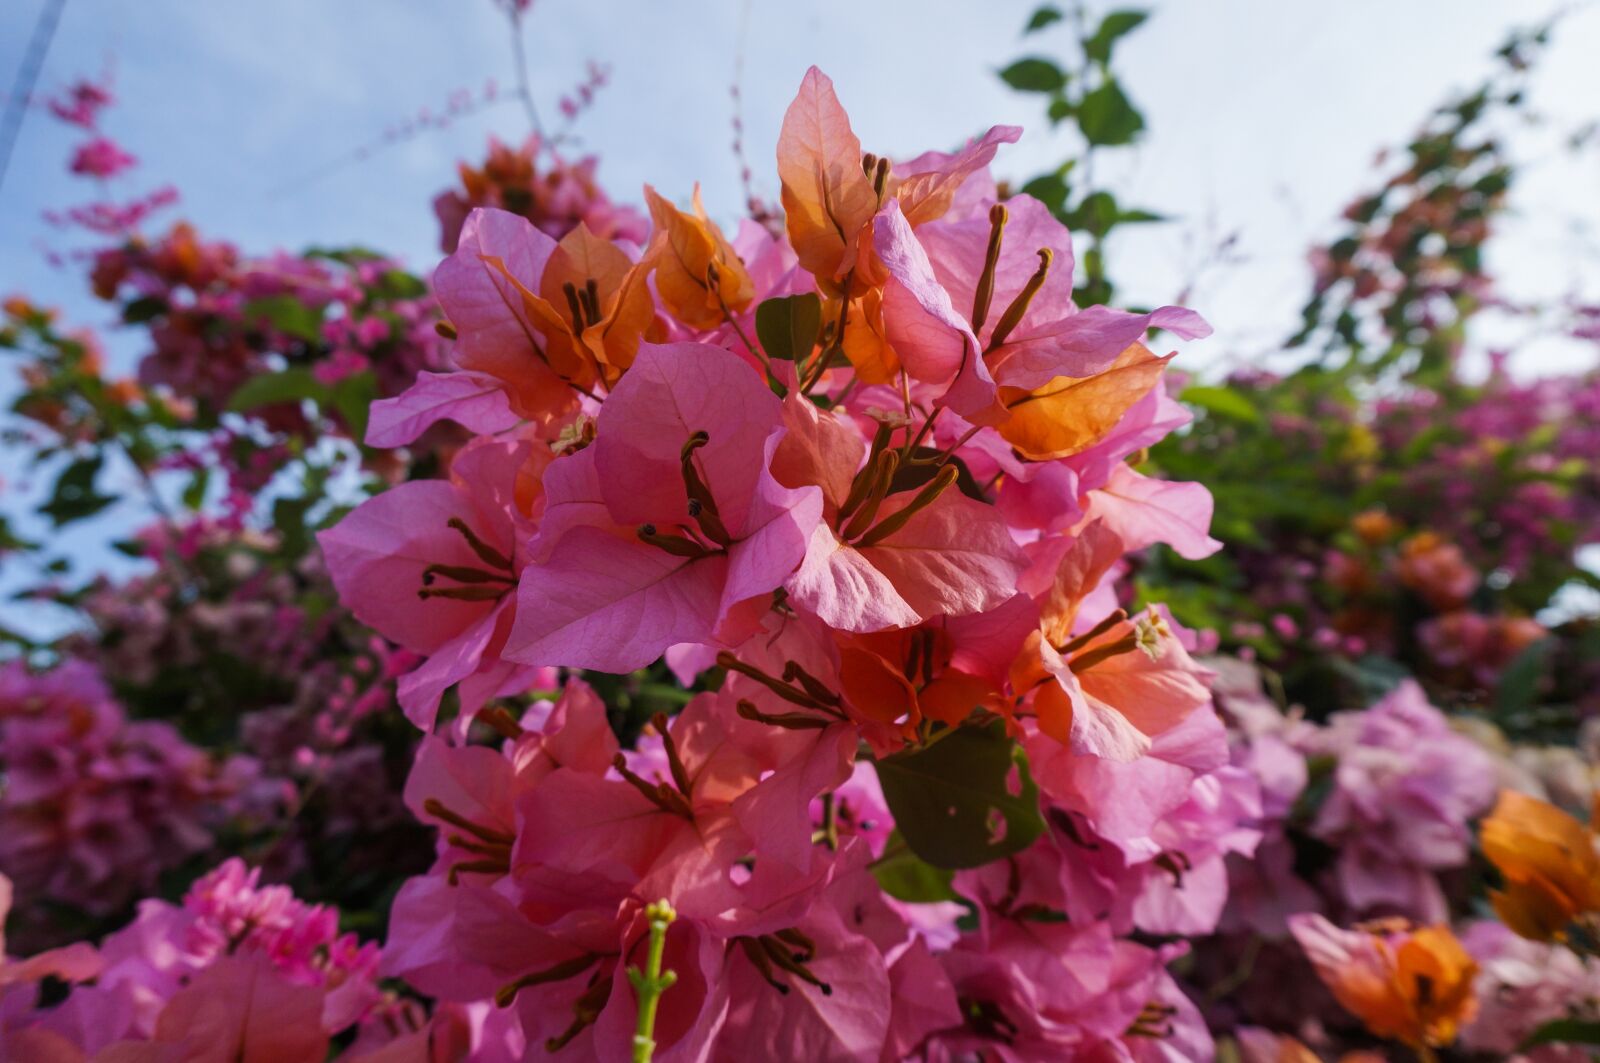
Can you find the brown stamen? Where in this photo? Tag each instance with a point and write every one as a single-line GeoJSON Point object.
{"type": "Point", "coordinates": [574, 305]}
{"type": "Point", "coordinates": [585, 1010]}
{"type": "Point", "coordinates": [661, 795]}
{"type": "Point", "coordinates": [983, 295]}
{"type": "Point", "coordinates": [501, 722]}
{"type": "Point", "coordinates": [1068, 648]}
{"type": "Point", "coordinates": [777, 686]}
{"type": "Point", "coordinates": [784, 959]}
{"type": "Point", "coordinates": [763, 965]}
{"type": "Point", "coordinates": [462, 574]}
{"type": "Point", "coordinates": [478, 867]}
{"type": "Point", "coordinates": [487, 553]}
{"type": "Point", "coordinates": [704, 509]}
{"type": "Point", "coordinates": [559, 972]}
{"type": "Point", "coordinates": [925, 498]}
{"type": "Point", "coordinates": [437, 809]}
{"type": "Point", "coordinates": [792, 672]}
{"type": "Point", "coordinates": [887, 464]}
{"type": "Point", "coordinates": [1085, 661]}
{"type": "Point", "coordinates": [790, 721]}
{"type": "Point", "coordinates": [678, 545]}
{"type": "Point", "coordinates": [467, 845]}
{"type": "Point", "coordinates": [591, 301]}
{"type": "Point", "coordinates": [1019, 306]}
{"type": "Point", "coordinates": [680, 774]}
{"type": "Point", "coordinates": [464, 594]}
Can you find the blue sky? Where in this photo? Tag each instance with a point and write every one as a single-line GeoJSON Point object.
{"type": "Point", "coordinates": [1264, 119]}
{"type": "Point", "coordinates": [1264, 115]}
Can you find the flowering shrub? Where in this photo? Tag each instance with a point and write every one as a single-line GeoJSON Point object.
{"type": "Point", "coordinates": [650, 640]}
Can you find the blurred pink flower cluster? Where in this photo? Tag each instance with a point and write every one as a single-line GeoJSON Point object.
{"type": "Point", "coordinates": [95, 806]}
{"type": "Point", "coordinates": [536, 182]}
{"type": "Point", "coordinates": [237, 963]}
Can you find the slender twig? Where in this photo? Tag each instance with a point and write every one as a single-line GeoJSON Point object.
{"type": "Point", "coordinates": [519, 55]}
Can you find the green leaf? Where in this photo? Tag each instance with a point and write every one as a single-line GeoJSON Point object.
{"type": "Point", "coordinates": [1048, 15]}
{"type": "Point", "coordinates": [1050, 189]}
{"type": "Point", "coordinates": [194, 494]}
{"type": "Point", "coordinates": [1114, 26]}
{"type": "Point", "coordinates": [10, 540]}
{"type": "Point", "coordinates": [290, 385]}
{"type": "Point", "coordinates": [904, 876]}
{"type": "Point", "coordinates": [965, 799]}
{"type": "Point", "coordinates": [398, 284]}
{"type": "Point", "coordinates": [1107, 118]}
{"type": "Point", "coordinates": [1518, 689]}
{"type": "Point", "coordinates": [1034, 75]}
{"type": "Point", "coordinates": [1223, 402]}
{"type": "Point", "coordinates": [288, 315]}
{"type": "Point", "coordinates": [75, 497]}
{"type": "Point", "coordinates": [1564, 1032]}
{"type": "Point", "coordinates": [352, 399]}
{"type": "Point", "coordinates": [1097, 214]}
{"type": "Point", "coordinates": [144, 309]}
{"type": "Point", "coordinates": [289, 518]}
{"type": "Point", "coordinates": [788, 327]}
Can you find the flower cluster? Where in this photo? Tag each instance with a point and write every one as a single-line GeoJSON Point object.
{"type": "Point", "coordinates": [217, 319]}
{"type": "Point", "coordinates": [556, 199]}
{"type": "Point", "coordinates": [236, 963]}
{"type": "Point", "coordinates": [95, 807]}
{"type": "Point", "coordinates": [869, 482]}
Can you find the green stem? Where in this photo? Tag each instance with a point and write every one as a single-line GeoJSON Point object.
{"type": "Point", "coordinates": [653, 982]}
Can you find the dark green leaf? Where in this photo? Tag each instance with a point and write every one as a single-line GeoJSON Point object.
{"type": "Point", "coordinates": [1107, 118]}
{"type": "Point", "coordinates": [1097, 214]}
{"type": "Point", "coordinates": [10, 540]}
{"type": "Point", "coordinates": [194, 495]}
{"type": "Point", "coordinates": [964, 800]}
{"type": "Point", "coordinates": [290, 385]}
{"type": "Point", "coordinates": [288, 315]}
{"type": "Point", "coordinates": [1114, 26]}
{"type": "Point", "coordinates": [904, 876]}
{"type": "Point", "coordinates": [1222, 401]}
{"type": "Point", "coordinates": [144, 309]}
{"type": "Point", "coordinates": [1034, 75]}
{"type": "Point", "coordinates": [75, 496]}
{"type": "Point", "coordinates": [1564, 1032]}
{"type": "Point", "coordinates": [1049, 189]}
{"type": "Point", "coordinates": [1518, 690]}
{"type": "Point", "coordinates": [1047, 15]}
{"type": "Point", "coordinates": [352, 398]}
{"type": "Point", "coordinates": [788, 327]}
{"type": "Point", "coordinates": [289, 518]}
{"type": "Point", "coordinates": [398, 284]}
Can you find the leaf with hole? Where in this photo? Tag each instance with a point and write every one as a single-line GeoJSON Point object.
{"type": "Point", "coordinates": [907, 877]}
{"type": "Point", "coordinates": [964, 800]}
